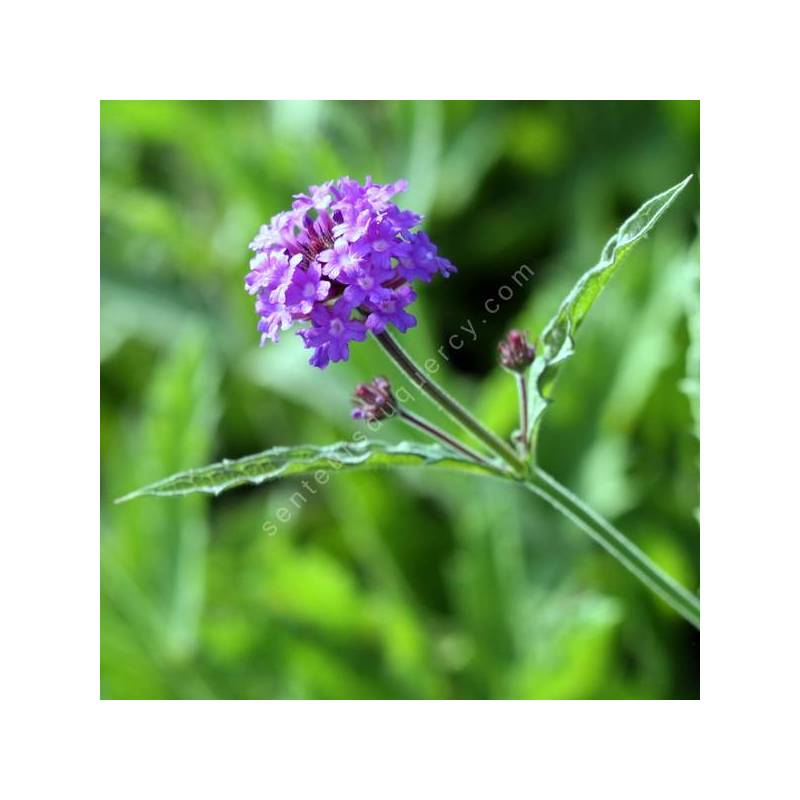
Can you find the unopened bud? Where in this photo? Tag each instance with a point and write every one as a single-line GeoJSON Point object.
{"type": "Point", "coordinates": [374, 401]}
{"type": "Point", "coordinates": [516, 353]}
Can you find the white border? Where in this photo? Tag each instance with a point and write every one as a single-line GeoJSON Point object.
{"type": "Point", "coordinates": [60, 60]}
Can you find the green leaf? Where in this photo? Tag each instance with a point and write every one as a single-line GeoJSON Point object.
{"type": "Point", "coordinates": [557, 341]}
{"type": "Point", "coordinates": [285, 462]}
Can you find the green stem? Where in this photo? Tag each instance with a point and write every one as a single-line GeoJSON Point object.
{"type": "Point", "coordinates": [548, 488]}
{"type": "Point", "coordinates": [449, 404]}
{"type": "Point", "coordinates": [606, 535]}
{"type": "Point", "coordinates": [437, 433]}
{"type": "Point", "coordinates": [522, 389]}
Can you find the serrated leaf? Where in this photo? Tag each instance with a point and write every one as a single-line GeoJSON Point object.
{"type": "Point", "coordinates": [285, 462]}
{"type": "Point", "coordinates": [557, 341]}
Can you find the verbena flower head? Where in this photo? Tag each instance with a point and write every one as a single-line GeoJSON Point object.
{"type": "Point", "coordinates": [342, 260]}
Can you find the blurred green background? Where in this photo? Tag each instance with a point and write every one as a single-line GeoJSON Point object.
{"type": "Point", "coordinates": [395, 584]}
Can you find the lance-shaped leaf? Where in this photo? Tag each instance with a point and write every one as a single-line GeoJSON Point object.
{"type": "Point", "coordinates": [557, 341]}
{"type": "Point", "coordinates": [285, 462]}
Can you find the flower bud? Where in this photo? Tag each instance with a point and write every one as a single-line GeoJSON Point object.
{"type": "Point", "coordinates": [516, 353]}
{"type": "Point", "coordinates": [374, 401]}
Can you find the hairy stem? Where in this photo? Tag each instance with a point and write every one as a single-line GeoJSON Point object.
{"type": "Point", "coordinates": [548, 488]}
{"type": "Point", "coordinates": [522, 387]}
{"type": "Point", "coordinates": [437, 433]}
{"type": "Point", "coordinates": [625, 551]}
{"type": "Point", "coordinates": [449, 404]}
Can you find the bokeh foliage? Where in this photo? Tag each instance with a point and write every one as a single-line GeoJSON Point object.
{"type": "Point", "coordinates": [402, 584]}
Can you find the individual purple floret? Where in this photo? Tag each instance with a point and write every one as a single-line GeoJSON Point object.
{"type": "Point", "coordinates": [342, 260]}
{"type": "Point", "coordinates": [331, 330]}
{"type": "Point", "coordinates": [387, 307]}
{"type": "Point", "coordinates": [306, 289]}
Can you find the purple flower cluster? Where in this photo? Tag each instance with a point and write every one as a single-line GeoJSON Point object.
{"type": "Point", "coordinates": [342, 259]}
